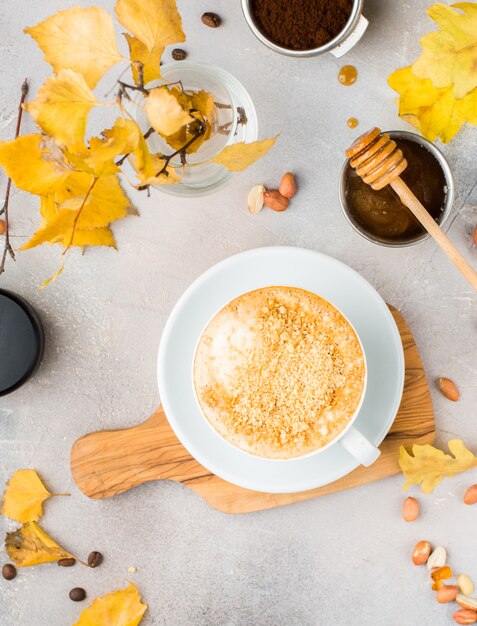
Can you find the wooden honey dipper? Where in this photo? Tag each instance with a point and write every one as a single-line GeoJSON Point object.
{"type": "Point", "coordinates": [379, 162]}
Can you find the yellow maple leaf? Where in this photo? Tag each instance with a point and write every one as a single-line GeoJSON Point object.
{"type": "Point", "coordinates": [164, 111]}
{"type": "Point", "coordinates": [239, 156]}
{"type": "Point", "coordinates": [30, 545]}
{"type": "Point", "coordinates": [150, 59]}
{"type": "Point", "coordinates": [24, 497]}
{"type": "Point", "coordinates": [429, 465]}
{"type": "Point", "coordinates": [61, 108]}
{"type": "Point", "coordinates": [122, 138]}
{"type": "Point", "coordinates": [120, 608]}
{"type": "Point", "coordinates": [26, 163]}
{"type": "Point", "coordinates": [154, 22]}
{"type": "Point", "coordinates": [83, 206]}
{"type": "Point", "coordinates": [80, 39]}
{"type": "Point", "coordinates": [435, 112]}
{"type": "Point", "coordinates": [449, 57]}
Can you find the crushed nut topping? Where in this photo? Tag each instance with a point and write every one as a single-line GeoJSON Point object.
{"type": "Point", "coordinates": [279, 372]}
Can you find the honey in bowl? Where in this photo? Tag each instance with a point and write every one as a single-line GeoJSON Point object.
{"type": "Point", "coordinates": [381, 214]}
{"type": "Point", "coordinates": [279, 372]}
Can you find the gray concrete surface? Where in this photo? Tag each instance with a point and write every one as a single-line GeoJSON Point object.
{"type": "Point", "coordinates": [341, 560]}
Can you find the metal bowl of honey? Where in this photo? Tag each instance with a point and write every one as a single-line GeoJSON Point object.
{"type": "Point", "coordinates": [379, 216]}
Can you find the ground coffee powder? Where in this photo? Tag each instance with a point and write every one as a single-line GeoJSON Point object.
{"type": "Point", "coordinates": [301, 24]}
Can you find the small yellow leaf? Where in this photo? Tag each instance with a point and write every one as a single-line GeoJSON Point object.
{"type": "Point", "coordinates": [61, 107]}
{"type": "Point", "coordinates": [435, 112]}
{"type": "Point", "coordinates": [154, 22]}
{"type": "Point", "coordinates": [429, 465]}
{"type": "Point", "coordinates": [24, 496]}
{"type": "Point", "coordinates": [30, 545]}
{"type": "Point", "coordinates": [150, 59]}
{"type": "Point", "coordinates": [203, 102]}
{"type": "Point", "coordinates": [79, 39]}
{"type": "Point", "coordinates": [26, 163]}
{"type": "Point", "coordinates": [164, 111]}
{"type": "Point", "coordinates": [239, 156]}
{"type": "Point", "coordinates": [449, 57]}
{"type": "Point", "coordinates": [122, 138]}
{"type": "Point", "coordinates": [120, 608]}
{"type": "Point", "coordinates": [105, 203]}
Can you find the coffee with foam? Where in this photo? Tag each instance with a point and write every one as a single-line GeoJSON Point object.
{"type": "Point", "coordinates": [279, 372]}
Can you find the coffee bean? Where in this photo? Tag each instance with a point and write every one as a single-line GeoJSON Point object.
{"type": "Point", "coordinates": [211, 19]}
{"type": "Point", "coordinates": [78, 594]}
{"type": "Point", "coordinates": [178, 54]}
{"type": "Point", "coordinates": [95, 559]}
{"type": "Point", "coordinates": [9, 571]}
{"type": "Point", "coordinates": [67, 562]}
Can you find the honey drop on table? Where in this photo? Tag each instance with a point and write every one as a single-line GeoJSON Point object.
{"type": "Point", "coordinates": [348, 75]}
{"type": "Point", "coordinates": [352, 122]}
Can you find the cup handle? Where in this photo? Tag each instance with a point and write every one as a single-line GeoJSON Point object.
{"type": "Point", "coordinates": [358, 446]}
{"type": "Point", "coordinates": [353, 39]}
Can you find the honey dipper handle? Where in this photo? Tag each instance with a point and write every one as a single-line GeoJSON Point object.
{"type": "Point", "coordinates": [109, 462]}
{"type": "Point", "coordinates": [410, 200]}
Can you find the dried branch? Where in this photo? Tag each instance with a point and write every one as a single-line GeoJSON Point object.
{"type": "Point", "coordinates": [7, 249]}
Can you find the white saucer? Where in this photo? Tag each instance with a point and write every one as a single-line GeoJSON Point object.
{"type": "Point", "coordinates": [296, 267]}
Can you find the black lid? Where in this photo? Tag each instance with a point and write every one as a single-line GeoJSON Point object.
{"type": "Point", "coordinates": [21, 341]}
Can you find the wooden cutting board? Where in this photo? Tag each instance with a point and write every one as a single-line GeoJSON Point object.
{"type": "Point", "coordinates": [107, 463]}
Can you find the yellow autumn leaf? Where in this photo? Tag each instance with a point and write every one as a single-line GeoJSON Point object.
{"type": "Point", "coordinates": [203, 102]}
{"type": "Point", "coordinates": [428, 465]}
{"type": "Point", "coordinates": [30, 545]}
{"type": "Point", "coordinates": [120, 608]}
{"type": "Point", "coordinates": [435, 112]}
{"type": "Point", "coordinates": [79, 39]}
{"type": "Point", "coordinates": [27, 164]}
{"type": "Point", "coordinates": [122, 138]}
{"type": "Point", "coordinates": [24, 497]}
{"type": "Point", "coordinates": [154, 22]}
{"type": "Point", "coordinates": [83, 207]}
{"type": "Point", "coordinates": [61, 108]}
{"type": "Point", "coordinates": [150, 59]}
{"type": "Point", "coordinates": [239, 156]}
{"type": "Point", "coordinates": [164, 111]}
{"type": "Point", "coordinates": [449, 57]}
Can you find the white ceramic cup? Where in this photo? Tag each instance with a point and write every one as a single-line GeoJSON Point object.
{"type": "Point", "coordinates": [350, 438]}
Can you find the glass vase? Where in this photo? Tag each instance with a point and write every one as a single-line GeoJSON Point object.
{"type": "Point", "coordinates": [233, 120]}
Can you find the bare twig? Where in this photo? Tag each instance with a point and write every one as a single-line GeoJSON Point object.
{"type": "Point", "coordinates": [7, 249]}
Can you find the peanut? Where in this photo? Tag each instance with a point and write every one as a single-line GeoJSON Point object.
{"type": "Point", "coordinates": [447, 593]}
{"type": "Point", "coordinates": [421, 552]}
{"type": "Point", "coordinates": [470, 496]}
{"type": "Point", "coordinates": [410, 509]}
{"type": "Point", "coordinates": [465, 602]}
{"type": "Point", "coordinates": [465, 616]}
{"type": "Point", "coordinates": [449, 389]}
{"type": "Point", "coordinates": [274, 200]}
{"type": "Point", "coordinates": [437, 558]}
{"type": "Point", "coordinates": [255, 199]}
{"type": "Point", "coordinates": [465, 584]}
{"type": "Point", "coordinates": [288, 186]}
